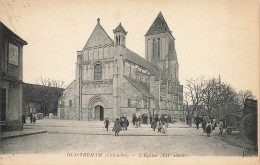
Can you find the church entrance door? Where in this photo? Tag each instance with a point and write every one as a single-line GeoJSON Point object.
{"type": "Point", "coordinates": [99, 113]}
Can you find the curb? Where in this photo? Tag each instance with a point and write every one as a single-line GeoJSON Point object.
{"type": "Point", "coordinates": [26, 134]}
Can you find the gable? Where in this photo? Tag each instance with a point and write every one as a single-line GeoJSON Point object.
{"type": "Point", "coordinates": [98, 37]}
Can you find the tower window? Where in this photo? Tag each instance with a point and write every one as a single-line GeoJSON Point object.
{"type": "Point", "coordinates": [98, 72]}
{"type": "Point", "coordinates": [154, 45]}
{"type": "Point", "coordinates": [159, 47]}
{"type": "Point", "coordinates": [118, 40]}
{"type": "Point", "coordinates": [70, 103]}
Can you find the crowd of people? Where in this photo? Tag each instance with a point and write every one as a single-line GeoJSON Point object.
{"type": "Point", "coordinates": [208, 124]}
{"type": "Point", "coordinates": [122, 123]}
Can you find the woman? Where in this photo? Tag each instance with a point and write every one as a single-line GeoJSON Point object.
{"type": "Point", "coordinates": [159, 126]}
{"type": "Point", "coordinates": [117, 127]}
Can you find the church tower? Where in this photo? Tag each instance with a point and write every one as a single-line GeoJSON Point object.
{"type": "Point", "coordinates": [160, 49]}
{"type": "Point", "coordinates": [119, 35]}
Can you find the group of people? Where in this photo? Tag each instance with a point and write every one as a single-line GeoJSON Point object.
{"type": "Point", "coordinates": [119, 125]}
{"type": "Point", "coordinates": [208, 124]}
{"type": "Point", "coordinates": [136, 120]}
{"type": "Point", "coordinates": [32, 119]}
{"type": "Point", "coordinates": [161, 124]}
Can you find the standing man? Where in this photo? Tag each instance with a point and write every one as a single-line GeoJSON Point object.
{"type": "Point", "coordinates": [134, 119]}
{"type": "Point", "coordinates": [31, 118]}
{"type": "Point", "coordinates": [197, 121]}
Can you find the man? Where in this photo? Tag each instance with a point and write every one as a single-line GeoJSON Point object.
{"type": "Point", "coordinates": [134, 119]}
{"type": "Point", "coordinates": [31, 118]}
{"type": "Point", "coordinates": [197, 121]}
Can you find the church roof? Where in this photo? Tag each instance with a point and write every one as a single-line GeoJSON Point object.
{"type": "Point", "coordinates": [120, 28]}
{"type": "Point", "coordinates": [140, 86]}
{"type": "Point", "coordinates": [98, 37]}
{"type": "Point", "coordinates": [159, 26]}
{"type": "Point", "coordinates": [135, 58]}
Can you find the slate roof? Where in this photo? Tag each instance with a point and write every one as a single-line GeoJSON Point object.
{"type": "Point", "coordinates": [35, 93]}
{"type": "Point", "coordinates": [9, 33]}
{"type": "Point", "coordinates": [159, 26]}
{"type": "Point", "coordinates": [120, 28]}
{"type": "Point", "coordinates": [98, 37]}
{"type": "Point", "coordinates": [140, 86]}
{"type": "Point", "coordinates": [135, 58]}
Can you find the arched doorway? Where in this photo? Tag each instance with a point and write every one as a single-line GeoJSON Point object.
{"type": "Point", "coordinates": [99, 113]}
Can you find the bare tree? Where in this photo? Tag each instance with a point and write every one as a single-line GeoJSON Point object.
{"type": "Point", "coordinates": [50, 87]}
{"type": "Point", "coordinates": [51, 82]}
{"type": "Point", "coordinates": [243, 95]}
{"type": "Point", "coordinates": [195, 92]}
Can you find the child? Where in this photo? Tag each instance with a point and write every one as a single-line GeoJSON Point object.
{"type": "Point", "coordinates": [208, 128]}
{"type": "Point", "coordinates": [106, 123]}
{"type": "Point", "coordinates": [220, 128]}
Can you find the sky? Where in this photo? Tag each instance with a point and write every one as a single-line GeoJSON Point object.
{"type": "Point", "coordinates": [212, 37]}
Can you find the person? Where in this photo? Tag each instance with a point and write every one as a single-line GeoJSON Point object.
{"type": "Point", "coordinates": [159, 126]}
{"type": "Point", "coordinates": [31, 118]}
{"type": "Point", "coordinates": [208, 128]}
{"type": "Point", "coordinates": [23, 119]}
{"type": "Point", "coordinates": [151, 119]}
{"type": "Point", "coordinates": [213, 122]}
{"type": "Point", "coordinates": [117, 127]}
{"type": "Point", "coordinates": [126, 123]}
{"type": "Point", "coordinates": [221, 128]}
{"type": "Point", "coordinates": [139, 121]}
{"type": "Point", "coordinates": [156, 118]}
{"type": "Point", "coordinates": [204, 123]}
{"type": "Point", "coordinates": [121, 121]}
{"type": "Point", "coordinates": [134, 119]}
{"type": "Point", "coordinates": [153, 124]}
{"type": "Point", "coordinates": [187, 119]}
{"type": "Point", "coordinates": [136, 122]}
{"type": "Point", "coordinates": [197, 121]}
{"type": "Point", "coordinates": [164, 124]}
{"type": "Point", "coordinates": [106, 123]}
{"type": "Point", "coordinates": [34, 119]}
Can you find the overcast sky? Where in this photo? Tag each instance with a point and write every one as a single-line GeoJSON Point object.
{"type": "Point", "coordinates": [212, 37]}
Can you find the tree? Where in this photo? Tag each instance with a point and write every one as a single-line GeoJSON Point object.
{"type": "Point", "coordinates": [210, 96]}
{"type": "Point", "coordinates": [50, 87]}
{"type": "Point", "coordinates": [195, 92]}
{"type": "Point", "coordinates": [50, 82]}
{"type": "Point", "coordinates": [243, 95]}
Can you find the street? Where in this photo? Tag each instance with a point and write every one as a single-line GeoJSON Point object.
{"type": "Point", "coordinates": [68, 136]}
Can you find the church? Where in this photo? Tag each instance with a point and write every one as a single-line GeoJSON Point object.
{"type": "Point", "coordinates": [112, 80]}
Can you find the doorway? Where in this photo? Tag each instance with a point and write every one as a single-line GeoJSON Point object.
{"type": "Point", "coordinates": [99, 113]}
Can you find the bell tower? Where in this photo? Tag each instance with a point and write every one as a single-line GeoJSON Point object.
{"type": "Point", "coordinates": [160, 48]}
{"type": "Point", "coordinates": [120, 35]}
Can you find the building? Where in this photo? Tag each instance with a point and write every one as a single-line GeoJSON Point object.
{"type": "Point", "coordinates": [40, 99]}
{"type": "Point", "coordinates": [11, 65]}
{"type": "Point", "coordinates": [112, 80]}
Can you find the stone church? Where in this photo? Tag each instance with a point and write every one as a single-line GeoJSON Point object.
{"type": "Point", "coordinates": [112, 80]}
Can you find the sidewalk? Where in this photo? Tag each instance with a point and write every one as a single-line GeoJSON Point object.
{"type": "Point", "coordinates": [25, 132]}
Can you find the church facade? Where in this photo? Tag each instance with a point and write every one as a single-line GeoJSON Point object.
{"type": "Point", "coordinates": [112, 80]}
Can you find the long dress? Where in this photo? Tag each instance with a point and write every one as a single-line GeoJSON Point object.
{"type": "Point", "coordinates": [117, 127]}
